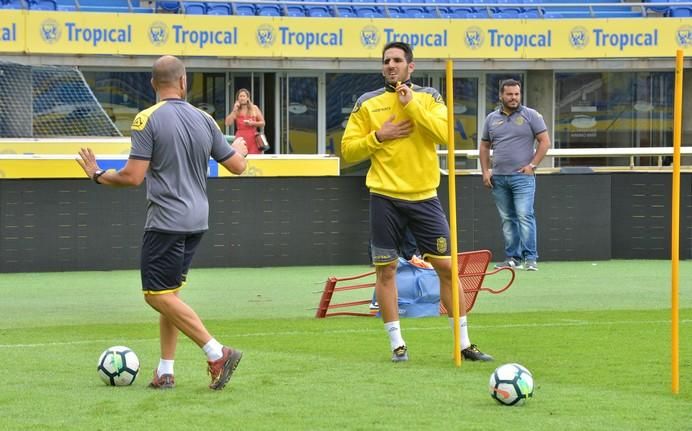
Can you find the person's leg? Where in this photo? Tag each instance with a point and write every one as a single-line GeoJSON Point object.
{"type": "Point", "coordinates": [524, 190]}
{"type": "Point", "coordinates": [429, 225]}
{"type": "Point", "coordinates": [179, 315]}
{"type": "Point", "coordinates": [504, 201]}
{"type": "Point", "coordinates": [165, 262]}
{"type": "Point", "coordinates": [385, 231]}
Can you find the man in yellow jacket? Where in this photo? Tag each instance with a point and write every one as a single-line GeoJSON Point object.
{"type": "Point", "coordinates": [398, 128]}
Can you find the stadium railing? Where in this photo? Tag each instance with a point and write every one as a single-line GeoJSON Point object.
{"type": "Point", "coordinates": [632, 153]}
{"type": "Point", "coordinates": [448, 9]}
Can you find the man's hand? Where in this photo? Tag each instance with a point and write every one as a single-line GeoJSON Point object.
{"type": "Point", "coordinates": [240, 146]}
{"type": "Point", "coordinates": [488, 179]}
{"type": "Point", "coordinates": [404, 92]}
{"type": "Point", "coordinates": [391, 130]}
{"type": "Point", "coordinates": [87, 160]}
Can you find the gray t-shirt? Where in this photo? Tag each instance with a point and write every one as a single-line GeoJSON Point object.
{"type": "Point", "coordinates": [512, 138]}
{"type": "Point", "coordinates": [177, 139]}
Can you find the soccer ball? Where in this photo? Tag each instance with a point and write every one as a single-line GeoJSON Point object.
{"type": "Point", "coordinates": [511, 384]}
{"type": "Point", "coordinates": [118, 366]}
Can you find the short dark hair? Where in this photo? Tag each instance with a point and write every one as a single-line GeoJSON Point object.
{"type": "Point", "coordinates": [408, 52]}
{"type": "Point", "coordinates": [509, 83]}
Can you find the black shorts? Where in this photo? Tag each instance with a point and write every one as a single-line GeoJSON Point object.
{"type": "Point", "coordinates": [165, 260]}
{"type": "Point", "coordinates": [390, 217]}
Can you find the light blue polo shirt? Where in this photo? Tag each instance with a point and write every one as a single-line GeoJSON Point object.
{"type": "Point", "coordinates": [512, 138]}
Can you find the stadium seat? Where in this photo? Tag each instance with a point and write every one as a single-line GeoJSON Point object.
{"type": "Point", "coordinates": [13, 4]}
{"type": "Point", "coordinates": [43, 5]}
{"type": "Point", "coordinates": [219, 9]}
{"type": "Point", "coordinates": [317, 10]}
{"type": "Point", "coordinates": [679, 12]}
{"type": "Point", "coordinates": [415, 10]}
{"type": "Point", "coordinates": [343, 11]}
{"type": "Point", "coordinates": [269, 10]}
{"type": "Point", "coordinates": [245, 9]}
{"type": "Point", "coordinates": [367, 10]}
{"type": "Point", "coordinates": [462, 12]}
{"type": "Point", "coordinates": [195, 8]}
{"type": "Point", "coordinates": [293, 9]}
{"type": "Point", "coordinates": [168, 6]}
{"type": "Point", "coordinates": [662, 7]}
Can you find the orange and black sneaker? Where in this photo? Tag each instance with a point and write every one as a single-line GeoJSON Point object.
{"type": "Point", "coordinates": [166, 381]}
{"type": "Point", "coordinates": [222, 369]}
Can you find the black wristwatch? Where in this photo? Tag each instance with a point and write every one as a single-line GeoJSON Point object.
{"type": "Point", "coordinates": [97, 175]}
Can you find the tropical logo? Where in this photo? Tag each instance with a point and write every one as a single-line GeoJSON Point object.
{"type": "Point", "coordinates": [473, 38]}
{"type": "Point", "coordinates": [369, 37]}
{"type": "Point", "coordinates": [265, 35]}
{"type": "Point", "coordinates": [683, 37]}
{"type": "Point", "coordinates": [158, 33]}
{"type": "Point", "coordinates": [50, 31]}
{"type": "Point", "coordinates": [578, 37]}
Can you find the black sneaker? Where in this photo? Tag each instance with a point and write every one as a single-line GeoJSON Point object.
{"type": "Point", "coordinates": [472, 353]}
{"type": "Point", "coordinates": [400, 354]}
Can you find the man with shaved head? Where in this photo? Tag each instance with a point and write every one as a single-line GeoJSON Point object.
{"type": "Point", "coordinates": [171, 145]}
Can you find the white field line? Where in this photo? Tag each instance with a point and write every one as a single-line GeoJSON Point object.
{"type": "Point", "coordinates": [563, 323]}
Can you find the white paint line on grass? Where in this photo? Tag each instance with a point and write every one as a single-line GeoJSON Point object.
{"type": "Point", "coordinates": [564, 323]}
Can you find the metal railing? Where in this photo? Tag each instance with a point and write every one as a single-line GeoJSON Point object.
{"type": "Point", "coordinates": [632, 153]}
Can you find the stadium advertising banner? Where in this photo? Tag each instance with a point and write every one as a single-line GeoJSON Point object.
{"type": "Point", "coordinates": [12, 31]}
{"type": "Point", "coordinates": [267, 37]}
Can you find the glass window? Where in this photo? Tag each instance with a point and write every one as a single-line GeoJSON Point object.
{"type": "Point", "coordinates": [122, 95]}
{"type": "Point", "coordinates": [207, 91]}
{"type": "Point", "coordinates": [613, 110]}
{"type": "Point", "coordinates": [342, 92]}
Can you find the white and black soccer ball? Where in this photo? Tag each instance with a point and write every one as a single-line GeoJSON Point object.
{"type": "Point", "coordinates": [511, 384]}
{"type": "Point", "coordinates": [118, 366]}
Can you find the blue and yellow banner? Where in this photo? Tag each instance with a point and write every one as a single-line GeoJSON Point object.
{"type": "Point", "coordinates": [266, 37]}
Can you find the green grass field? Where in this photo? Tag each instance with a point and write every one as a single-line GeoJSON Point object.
{"type": "Point", "coordinates": [595, 335]}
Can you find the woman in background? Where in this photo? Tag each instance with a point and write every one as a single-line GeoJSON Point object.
{"type": "Point", "coordinates": [247, 117]}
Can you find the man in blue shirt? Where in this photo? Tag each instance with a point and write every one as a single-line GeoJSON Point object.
{"type": "Point", "coordinates": [511, 132]}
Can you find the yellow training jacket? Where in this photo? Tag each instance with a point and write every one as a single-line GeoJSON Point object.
{"type": "Point", "coordinates": [404, 168]}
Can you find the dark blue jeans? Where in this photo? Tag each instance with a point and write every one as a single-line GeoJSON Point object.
{"type": "Point", "coordinates": [514, 195]}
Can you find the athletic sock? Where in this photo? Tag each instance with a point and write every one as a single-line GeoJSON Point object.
{"type": "Point", "coordinates": [394, 331]}
{"type": "Point", "coordinates": [463, 331]}
{"type": "Point", "coordinates": [165, 367]}
{"type": "Point", "coordinates": [213, 349]}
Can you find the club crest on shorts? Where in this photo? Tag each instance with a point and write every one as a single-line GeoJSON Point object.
{"type": "Point", "coordinates": [441, 244]}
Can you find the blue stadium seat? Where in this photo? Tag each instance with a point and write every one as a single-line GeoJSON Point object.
{"type": "Point", "coordinates": [317, 10]}
{"type": "Point", "coordinates": [13, 4]}
{"type": "Point", "coordinates": [585, 10]}
{"type": "Point", "coordinates": [679, 12]}
{"type": "Point", "coordinates": [343, 11]}
{"type": "Point", "coordinates": [195, 8]}
{"type": "Point", "coordinates": [245, 9]}
{"type": "Point", "coordinates": [219, 9]}
{"type": "Point", "coordinates": [463, 12]}
{"type": "Point", "coordinates": [43, 5]}
{"type": "Point", "coordinates": [412, 11]}
{"type": "Point", "coordinates": [367, 11]}
{"type": "Point", "coordinates": [269, 10]}
{"type": "Point", "coordinates": [660, 9]}
{"type": "Point", "coordinates": [292, 9]}
{"type": "Point", "coordinates": [168, 6]}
